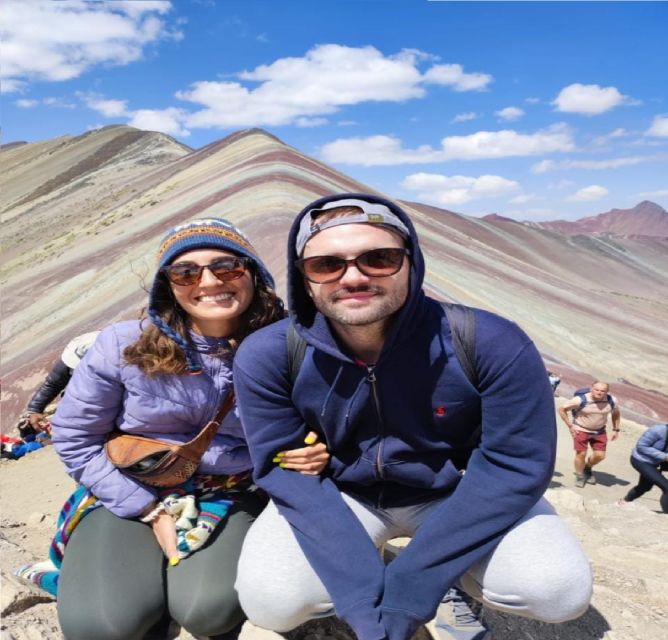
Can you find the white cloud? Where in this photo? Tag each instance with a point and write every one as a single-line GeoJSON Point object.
{"type": "Point", "coordinates": [310, 122]}
{"type": "Point", "coordinates": [611, 163]}
{"type": "Point", "coordinates": [544, 166]}
{"type": "Point", "coordinates": [659, 127]}
{"type": "Point", "coordinates": [601, 141]}
{"type": "Point", "coordinates": [589, 99]}
{"type": "Point", "coordinates": [536, 214]}
{"type": "Point", "coordinates": [588, 194]}
{"type": "Point", "coordinates": [321, 82]}
{"type": "Point", "coordinates": [464, 117]}
{"type": "Point", "coordinates": [54, 41]}
{"type": "Point", "coordinates": [661, 193]}
{"type": "Point", "coordinates": [532, 100]}
{"type": "Point", "coordinates": [524, 198]}
{"type": "Point", "coordinates": [510, 113]}
{"type": "Point", "coordinates": [562, 184]}
{"type": "Point", "coordinates": [26, 104]}
{"type": "Point", "coordinates": [169, 121]}
{"type": "Point", "coordinates": [388, 150]}
{"type": "Point", "coordinates": [507, 143]}
{"type": "Point", "coordinates": [376, 151]}
{"type": "Point", "coordinates": [59, 103]}
{"type": "Point", "coordinates": [453, 75]}
{"type": "Point", "coordinates": [107, 107]}
{"type": "Point", "coordinates": [454, 190]}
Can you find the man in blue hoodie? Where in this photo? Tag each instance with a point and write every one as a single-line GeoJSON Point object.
{"type": "Point", "coordinates": [416, 449]}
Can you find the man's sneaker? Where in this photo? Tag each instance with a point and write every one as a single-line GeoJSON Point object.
{"type": "Point", "coordinates": [580, 480]}
{"type": "Point", "coordinates": [458, 618]}
{"type": "Point", "coordinates": [590, 478]}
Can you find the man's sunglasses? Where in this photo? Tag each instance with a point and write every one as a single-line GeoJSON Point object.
{"type": "Point", "coordinates": [377, 263]}
{"type": "Point", "coordinates": [224, 269]}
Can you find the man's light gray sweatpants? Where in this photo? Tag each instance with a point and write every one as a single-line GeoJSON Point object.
{"type": "Point", "coordinates": [538, 570]}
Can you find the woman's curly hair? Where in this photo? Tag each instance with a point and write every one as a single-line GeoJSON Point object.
{"type": "Point", "coordinates": [155, 353]}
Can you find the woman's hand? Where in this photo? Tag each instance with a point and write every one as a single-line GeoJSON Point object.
{"type": "Point", "coordinates": [310, 460]}
{"type": "Point", "coordinates": [164, 530]}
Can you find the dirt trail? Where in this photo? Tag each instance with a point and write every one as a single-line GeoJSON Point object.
{"type": "Point", "coordinates": [628, 549]}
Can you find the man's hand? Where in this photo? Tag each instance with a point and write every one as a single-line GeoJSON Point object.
{"type": "Point", "coordinates": [615, 435]}
{"type": "Point", "coordinates": [310, 460]}
{"type": "Point", "coordinates": [38, 422]}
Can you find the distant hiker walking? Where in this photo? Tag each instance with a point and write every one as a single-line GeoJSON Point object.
{"type": "Point", "coordinates": [650, 459]}
{"type": "Point", "coordinates": [588, 425]}
{"type": "Point", "coordinates": [554, 380]}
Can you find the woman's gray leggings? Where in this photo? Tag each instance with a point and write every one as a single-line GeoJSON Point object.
{"type": "Point", "coordinates": [114, 583]}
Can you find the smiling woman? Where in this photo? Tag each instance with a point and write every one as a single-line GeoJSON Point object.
{"type": "Point", "coordinates": [210, 291]}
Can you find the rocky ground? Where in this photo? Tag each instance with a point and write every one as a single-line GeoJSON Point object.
{"type": "Point", "coordinates": [628, 549]}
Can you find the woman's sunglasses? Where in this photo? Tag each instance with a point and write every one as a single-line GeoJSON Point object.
{"type": "Point", "coordinates": [224, 269]}
{"type": "Point", "coordinates": [377, 263]}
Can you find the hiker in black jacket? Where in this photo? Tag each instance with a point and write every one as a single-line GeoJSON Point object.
{"type": "Point", "coordinates": [33, 420]}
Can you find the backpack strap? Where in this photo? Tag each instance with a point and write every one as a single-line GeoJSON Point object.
{"type": "Point", "coordinates": [583, 404]}
{"type": "Point", "coordinates": [296, 352]}
{"type": "Point", "coordinates": [462, 326]}
{"type": "Point", "coordinates": [611, 402]}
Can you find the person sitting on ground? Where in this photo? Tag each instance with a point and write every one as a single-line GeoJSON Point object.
{"type": "Point", "coordinates": [455, 457]}
{"type": "Point", "coordinates": [33, 420]}
{"type": "Point", "coordinates": [588, 424]}
{"type": "Point", "coordinates": [650, 459]}
{"type": "Point", "coordinates": [165, 377]}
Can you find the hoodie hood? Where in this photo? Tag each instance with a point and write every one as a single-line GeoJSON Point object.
{"type": "Point", "coordinates": [312, 325]}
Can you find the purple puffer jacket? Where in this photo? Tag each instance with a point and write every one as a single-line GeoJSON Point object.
{"type": "Point", "coordinates": [106, 394]}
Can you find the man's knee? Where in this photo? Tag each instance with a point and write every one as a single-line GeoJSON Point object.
{"type": "Point", "coordinates": [267, 606]}
{"type": "Point", "coordinates": [539, 570]}
{"type": "Point", "coordinates": [561, 595]}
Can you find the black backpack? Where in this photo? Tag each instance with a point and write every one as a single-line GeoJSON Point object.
{"type": "Point", "coordinates": [582, 394]}
{"type": "Point", "coordinates": [462, 325]}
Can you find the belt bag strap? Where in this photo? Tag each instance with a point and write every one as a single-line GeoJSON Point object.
{"type": "Point", "coordinates": [195, 448]}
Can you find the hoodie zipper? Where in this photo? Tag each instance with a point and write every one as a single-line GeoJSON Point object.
{"type": "Point", "coordinates": [371, 377]}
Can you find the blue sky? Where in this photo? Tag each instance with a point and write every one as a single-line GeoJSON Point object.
{"type": "Point", "coordinates": [534, 110]}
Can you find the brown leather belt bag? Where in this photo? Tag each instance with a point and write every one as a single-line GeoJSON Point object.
{"type": "Point", "coordinates": [159, 463]}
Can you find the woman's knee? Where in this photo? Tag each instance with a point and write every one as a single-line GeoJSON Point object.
{"type": "Point", "coordinates": [208, 613]}
{"type": "Point", "coordinates": [111, 624]}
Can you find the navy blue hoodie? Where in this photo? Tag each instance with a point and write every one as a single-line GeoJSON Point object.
{"type": "Point", "coordinates": [406, 448]}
